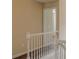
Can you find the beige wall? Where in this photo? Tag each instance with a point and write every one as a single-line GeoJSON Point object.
{"type": "Point", "coordinates": [50, 5]}
{"type": "Point", "coordinates": [62, 17]}
{"type": "Point", "coordinates": [27, 17]}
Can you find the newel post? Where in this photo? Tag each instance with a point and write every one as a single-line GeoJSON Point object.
{"type": "Point", "coordinates": [28, 45]}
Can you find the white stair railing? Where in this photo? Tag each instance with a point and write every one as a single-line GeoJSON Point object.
{"type": "Point", "coordinates": [41, 44]}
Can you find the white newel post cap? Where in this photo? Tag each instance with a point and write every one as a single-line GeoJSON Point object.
{"type": "Point", "coordinates": [27, 35]}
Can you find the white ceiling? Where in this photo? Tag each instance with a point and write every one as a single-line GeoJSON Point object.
{"type": "Point", "coordinates": [45, 1]}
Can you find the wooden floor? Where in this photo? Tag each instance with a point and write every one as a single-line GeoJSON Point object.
{"type": "Point", "coordinates": [21, 57]}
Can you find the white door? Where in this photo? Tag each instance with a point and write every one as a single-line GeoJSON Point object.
{"type": "Point", "coordinates": [49, 23]}
{"type": "Point", "coordinates": [49, 20]}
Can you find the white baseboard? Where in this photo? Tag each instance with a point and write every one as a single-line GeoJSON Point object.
{"type": "Point", "coordinates": [19, 54]}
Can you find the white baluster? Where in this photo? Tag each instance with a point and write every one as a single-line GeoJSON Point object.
{"type": "Point", "coordinates": [28, 45]}
{"type": "Point", "coordinates": [31, 48]}
{"type": "Point", "coordinates": [34, 46]}
{"type": "Point", "coordinates": [39, 46]}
